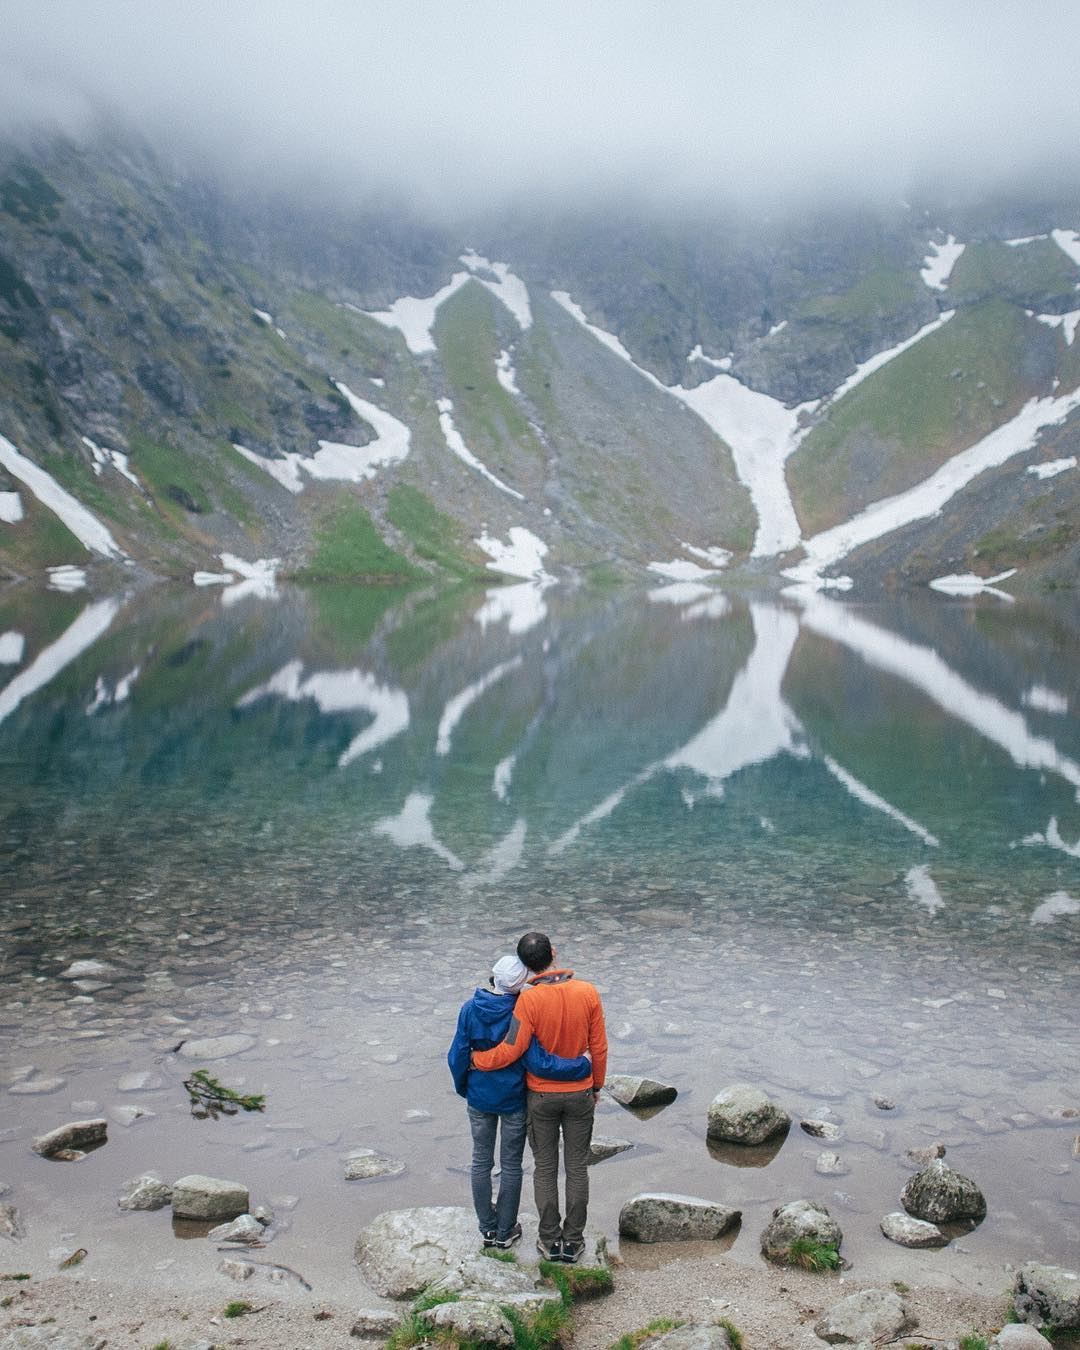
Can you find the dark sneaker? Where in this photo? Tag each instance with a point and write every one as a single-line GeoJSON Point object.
{"type": "Point", "coordinates": [572, 1252]}
{"type": "Point", "coordinates": [510, 1240]}
{"type": "Point", "coordinates": [488, 1235]}
{"type": "Point", "coordinates": [549, 1251]}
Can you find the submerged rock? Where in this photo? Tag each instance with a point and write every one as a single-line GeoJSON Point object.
{"type": "Point", "coordinates": [872, 1316]}
{"type": "Point", "coordinates": [139, 1082]}
{"type": "Point", "coordinates": [633, 1091]}
{"type": "Point", "coordinates": [743, 1114]}
{"type": "Point", "coordinates": [939, 1194]}
{"type": "Point", "coordinates": [365, 1163]}
{"type": "Point", "coordinates": [1047, 1294]}
{"type": "Point", "coordinates": [217, 1047]}
{"type": "Point", "coordinates": [128, 1115]}
{"type": "Point", "coordinates": [798, 1219]}
{"type": "Point", "coordinates": [831, 1165]}
{"type": "Point", "coordinates": [199, 1197]}
{"type": "Point", "coordinates": [244, 1228]}
{"type": "Point", "coordinates": [145, 1193]}
{"type": "Point", "coordinates": [661, 1217]}
{"type": "Point", "coordinates": [36, 1087]}
{"type": "Point", "coordinates": [76, 1134]}
{"type": "Point", "coordinates": [236, 1270]}
{"type": "Point", "coordinates": [911, 1232]}
{"type": "Point", "coordinates": [820, 1129]}
{"type": "Point", "coordinates": [920, 1157]}
{"type": "Point", "coordinates": [11, 1224]}
{"type": "Point", "coordinates": [604, 1146]}
{"type": "Point", "coordinates": [89, 970]}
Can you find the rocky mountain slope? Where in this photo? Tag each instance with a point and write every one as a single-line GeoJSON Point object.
{"type": "Point", "coordinates": [890, 397]}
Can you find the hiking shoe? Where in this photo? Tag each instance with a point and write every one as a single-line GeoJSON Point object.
{"type": "Point", "coordinates": [572, 1252]}
{"type": "Point", "coordinates": [549, 1251]}
{"type": "Point", "coordinates": [488, 1235]}
{"type": "Point", "coordinates": [510, 1240]}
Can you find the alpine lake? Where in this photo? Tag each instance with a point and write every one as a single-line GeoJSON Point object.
{"type": "Point", "coordinates": [826, 847]}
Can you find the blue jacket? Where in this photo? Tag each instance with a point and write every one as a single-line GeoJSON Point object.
{"type": "Point", "coordinates": [482, 1023]}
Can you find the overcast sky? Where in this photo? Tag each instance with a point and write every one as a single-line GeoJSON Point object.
{"type": "Point", "coordinates": [467, 102]}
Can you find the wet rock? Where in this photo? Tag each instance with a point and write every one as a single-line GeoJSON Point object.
{"type": "Point", "coordinates": [661, 1217]}
{"type": "Point", "coordinates": [11, 1225]}
{"type": "Point", "coordinates": [145, 1193]}
{"type": "Point", "coordinates": [36, 1087]}
{"type": "Point", "coordinates": [375, 1324]}
{"type": "Point", "coordinates": [199, 1197]}
{"type": "Point", "coordinates": [139, 1082]}
{"type": "Point", "coordinates": [920, 1157]}
{"type": "Point", "coordinates": [416, 1117]}
{"type": "Point", "coordinates": [366, 1163]}
{"type": "Point", "coordinates": [1057, 1113]}
{"type": "Point", "coordinates": [244, 1228]}
{"type": "Point", "coordinates": [798, 1219]}
{"type": "Point", "coordinates": [633, 1091]}
{"type": "Point", "coordinates": [820, 1129]}
{"type": "Point", "coordinates": [939, 1194]}
{"type": "Point", "coordinates": [873, 1316]}
{"type": "Point", "coordinates": [89, 970]}
{"type": "Point", "coordinates": [831, 1165]}
{"type": "Point", "coordinates": [264, 1214]}
{"type": "Point", "coordinates": [1019, 1337]}
{"type": "Point", "coordinates": [605, 1146]}
{"type": "Point", "coordinates": [694, 1336]}
{"type": "Point", "coordinates": [884, 1103]}
{"type": "Point", "coordinates": [1047, 1294]}
{"type": "Point", "coordinates": [910, 1232]}
{"type": "Point", "coordinates": [236, 1270]}
{"type": "Point", "coordinates": [217, 1047]}
{"type": "Point", "coordinates": [76, 1134]}
{"type": "Point", "coordinates": [481, 1323]}
{"type": "Point", "coordinates": [128, 1115]}
{"type": "Point", "coordinates": [743, 1114]}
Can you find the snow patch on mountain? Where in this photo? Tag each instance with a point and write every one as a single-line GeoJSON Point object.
{"type": "Point", "coordinates": [1066, 322]}
{"type": "Point", "coordinates": [66, 577]}
{"type": "Point", "coordinates": [939, 263]}
{"type": "Point", "coordinates": [11, 508]}
{"type": "Point", "coordinates": [681, 569]}
{"type": "Point", "coordinates": [724, 362]}
{"type": "Point", "coordinates": [1052, 467]}
{"type": "Point", "coordinates": [1045, 700]}
{"type": "Point", "coordinates": [1025, 239]}
{"type": "Point", "coordinates": [102, 456]}
{"type": "Point", "coordinates": [507, 287]}
{"type": "Point", "coordinates": [456, 444]}
{"type": "Point", "coordinates": [505, 373]}
{"type": "Point", "coordinates": [12, 646]}
{"type": "Point", "coordinates": [522, 556]}
{"type": "Point", "coordinates": [83, 525]}
{"type": "Point", "coordinates": [1069, 243]}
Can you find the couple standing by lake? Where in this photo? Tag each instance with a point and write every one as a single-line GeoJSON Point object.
{"type": "Point", "coordinates": [529, 1056]}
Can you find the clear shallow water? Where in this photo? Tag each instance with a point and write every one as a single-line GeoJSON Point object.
{"type": "Point", "coordinates": [785, 839]}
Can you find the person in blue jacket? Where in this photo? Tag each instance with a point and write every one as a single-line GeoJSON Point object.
{"type": "Point", "coordinates": [499, 1096]}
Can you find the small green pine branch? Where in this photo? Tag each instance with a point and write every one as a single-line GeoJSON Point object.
{"type": "Point", "coordinates": [210, 1098]}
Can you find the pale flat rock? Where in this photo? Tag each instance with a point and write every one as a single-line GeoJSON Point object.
{"type": "Point", "coordinates": [375, 1324]}
{"type": "Point", "coordinates": [662, 1217]}
{"type": "Point", "coordinates": [484, 1323]}
{"type": "Point", "coordinates": [1047, 1294]}
{"type": "Point", "coordinates": [873, 1316]}
{"type": "Point", "coordinates": [1016, 1336]}
{"type": "Point", "coordinates": [479, 1276]}
{"type": "Point", "coordinates": [743, 1114]}
{"type": "Point", "coordinates": [200, 1197]}
{"type": "Point", "coordinates": [11, 1224]}
{"type": "Point", "coordinates": [76, 1134]}
{"type": "Point", "coordinates": [139, 1082]}
{"type": "Point", "coordinates": [634, 1091]}
{"type": "Point", "coordinates": [606, 1146]}
{"type": "Point", "coordinates": [145, 1193]}
{"type": "Point", "coordinates": [831, 1165]}
{"type": "Point", "coordinates": [365, 1163]}
{"type": "Point", "coordinates": [695, 1336]}
{"type": "Point", "coordinates": [89, 970]}
{"type": "Point", "coordinates": [940, 1195]}
{"type": "Point", "coordinates": [36, 1087]}
{"type": "Point", "coordinates": [217, 1047]}
{"type": "Point", "coordinates": [912, 1232]}
{"type": "Point", "coordinates": [798, 1219]}
{"type": "Point", "coordinates": [128, 1115]}
{"type": "Point", "coordinates": [244, 1228]}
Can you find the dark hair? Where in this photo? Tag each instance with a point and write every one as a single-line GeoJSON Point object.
{"type": "Point", "coordinates": [534, 951]}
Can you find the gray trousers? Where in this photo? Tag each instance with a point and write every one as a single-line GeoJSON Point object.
{"type": "Point", "coordinates": [571, 1114]}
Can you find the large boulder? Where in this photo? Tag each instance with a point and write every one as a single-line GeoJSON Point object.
{"type": "Point", "coordinates": [660, 1217]}
{"type": "Point", "coordinates": [872, 1315]}
{"type": "Point", "coordinates": [910, 1232]}
{"type": "Point", "coordinates": [693, 1336]}
{"type": "Point", "coordinates": [1047, 1294]}
{"type": "Point", "coordinates": [1016, 1336]}
{"type": "Point", "coordinates": [199, 1197]}
{"type": "Point", "coordinates": [475, 1322]}
{"type": "Point", "coordinates": [798, 1219]}
{"type": "Point", "coordinates": [74, 1136]}
{"type": "Point", "coordinates": [635, 1092]}
{"type": "Point", "coordinates": [940, 1195]}
{"type": "Point", "coordinates": [743, 1114]}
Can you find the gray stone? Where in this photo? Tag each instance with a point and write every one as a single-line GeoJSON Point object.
{"type": "Point", "coordinates": [605, 1146]}
{"type": "Point", "coordinates": [743, 1114]}
{"type": "Point", "coordinates": [1016, 1336]}
{"type": "Point", "coordinates": [11, 1225]}
{"type": "Point", "coordinates": [884, 1103]}
{"type": "Point", "coordinates": [483, 1323]}
{"type": "Point", "coordinates": [831, 1165]}
{"type": "Point", "coordinates": [479, 1277]}
{"type": "Point", "coordinates": [1047, 1294]}
{"type": "Point", "coordinates": [661, 1217]}
{"type": "Point", "coordinates": [75, 1134]}
{"type": "Point", "coordinates": [872, 1315]}
{"type": "Point", "coordinates": [798, 1219]}
{"type": "Point", "coordinates": [199, 1197]}
{"type": "Point", "coordinates": [365, 1163]}
{"type": "Point", "coordinates": [375, 1324]}
{"type": "Point", "coordinates": [217, 1047]}
{"type": "Point", "coordinates": [820, 1129]}
{"type": "Point", "coordinates": [236, 1270]}
{"type": "Point", "coordinates": [145, 1193]}
{"type": "Point", "coordinates": [910, 1232]}
{"type": "Point", "coordinates": [36, 1087]}
{"type": "Point", "coordinates": [919, 1157]}
{"type": "Point", "coordinates": [244, 1228]}
{"type": "Point", "coordinates": [264, 1214]}
{"type": "Point", "coordinates": [939, 1194]}
{"type": "Point", "coordinates": [89, 970]}
{"type": "Point", "coordinates": [695, 1336]}
{"type": "Point", "coordinates": [139, 1082]}
{"type": "Point", "coordinates": [633, 1091]}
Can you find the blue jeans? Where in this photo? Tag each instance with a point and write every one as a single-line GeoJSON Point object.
{"type": "Point", "coordinates": [500, 1217]}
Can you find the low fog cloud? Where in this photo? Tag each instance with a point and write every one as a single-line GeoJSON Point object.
{"type": "Point", "coordinates": [467, 103]}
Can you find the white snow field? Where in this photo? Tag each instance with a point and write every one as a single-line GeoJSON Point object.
{"type": "Point", "coordinates": [51, 660]}
{"type": "Point", "coordinates": [83, 525]}
{"type": "Point", "coordinates": [257, 579]}
{"type": "Point", "coordinates": [458, 706]}
{"type": "Point", "coordinates": [967, 583]}
{"type": "Point", "coordinates": [1052, 467]}
{"type": "Point", "coordinates": [1052, 838]}
{"type": "Point", "coordinates": [939, 262]}
{"type": "Point", "coordinates": [12, 646]}
{"type": "Point", "coordinates": [455, 443]}
{"type": "Point", "coordinates": [1066, 322]}
{"type": "Point", "coordinates": [522, 556]}
{"type": "Point", "coordinates": [1045, 700]}
{"type": "Point", "coordinates": [1069, 243]}
{"type": "Point", "coordinates": [336, 461]}
{"type": "Point", "coordinates": [505, 373]}
{"type": "Point", "coordinates": [11, 508]}
{"type": "Point", "coordinates": [103, 456]}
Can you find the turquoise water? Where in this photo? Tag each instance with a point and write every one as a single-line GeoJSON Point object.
{"type": "Point", "coordinates": [829, 848]}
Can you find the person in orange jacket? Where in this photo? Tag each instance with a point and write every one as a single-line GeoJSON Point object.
{"type": "Point", "coordinates": [566, 1016]}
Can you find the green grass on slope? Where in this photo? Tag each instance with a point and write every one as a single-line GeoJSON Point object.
{"type": "Point", "coordinates": [881, 292]}
{"type": "Point", "coordinates": [434, 536]}
{"type": "Point", "coordinates": [39, 540]}
{"type": "Point", "coordinates": [349, 547]}
{"type": "Point", "coordinates": [933, 400]}
{"type": "Point", "coordinates": [1031, 274]}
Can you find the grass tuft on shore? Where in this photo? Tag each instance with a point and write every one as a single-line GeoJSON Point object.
{"type": "Point", "coordinates": [973, 1342]}
{"type": "Point", "coordinates": [735, 1336]}
{"type": "Point", "coordinates": [577, 1281]}
{"type": "Point", "coordinates": [810, 1255]}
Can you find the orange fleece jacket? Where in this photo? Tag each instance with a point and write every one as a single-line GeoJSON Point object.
{"type": "Point", "coordinates": [566, 1017]}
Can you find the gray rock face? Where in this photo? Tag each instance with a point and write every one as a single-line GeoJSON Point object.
{"type": "Point", "coordinates": [910, 1232]}
{"type": "Point", "coordinates": [873, 1316]}
{"type": "Point", "coordinates": [743, 1114]}
{"type": "Point", "coordinates": [199, 1197]}
{"type": "Point", "coordinates": [940, 1195]}
{"type": "Point", "coordinates": [75, 1134]}
{"type": "Point", "coordinates": [145, 1193]}
{"type": "Point", "coordinates": [630, 1090]}
{"type": "Point", "coordinates": [798, 1219]}
{"type": "Point", "coordinates": [605, 1146]}
{"type": "Point", "coordinates": [820, 1129]}
{"type": "Point", "coordinates": [374, 1324]}
{"type": "Point", "coordinates": [11, 1225]}
{"type": "Point", "coordinates": [1018, 1337]}
{"type": "Point", "coordinates": [660, 1217]}
{"type": "Point", "coordinates": [244, 1228]}
{"type": "Point", "coordinates": [1047, 1294]}
{"type": "Point", "coordinates": [365, 1163]}
{"type": "Point", "coordinates": [695, 1336]}
{"type": "Point", "coordinates": [217, 1047]}
{"type": "Point", "coordinates": [484, 1323]}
